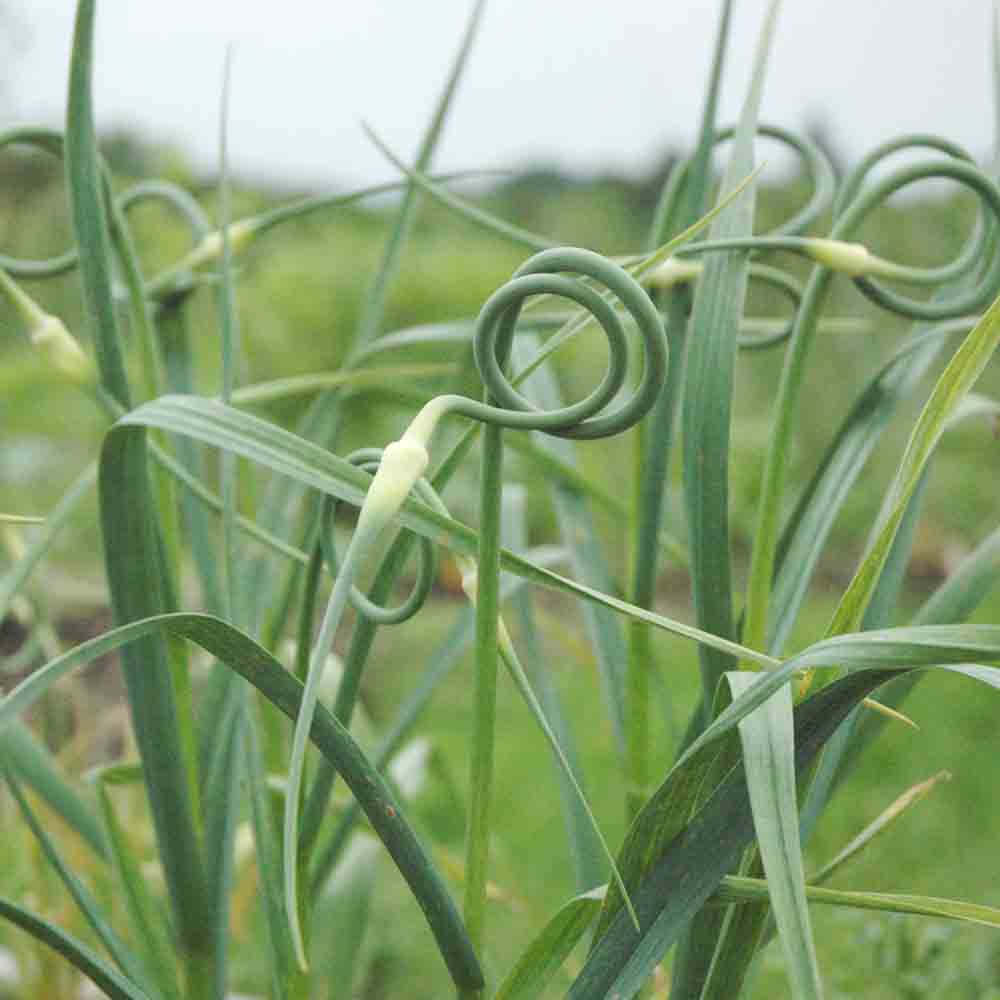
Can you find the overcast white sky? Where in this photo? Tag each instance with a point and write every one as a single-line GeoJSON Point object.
{"type": "Point", "coordinates": [571, 83]}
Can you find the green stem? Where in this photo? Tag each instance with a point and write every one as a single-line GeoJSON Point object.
{"type": "Point", "coordinates": [347, 692]}
{"type": "Point", "coordinates": [485, 686]}
{"type": "Point", "coordinates": [140, 316]}
{"type": "Point", "coordinates": [776, 465]}
{"type": "Point", "coordinates": [199, 975]}
{"type": "Point", "coordinates": [321, 649]}
{"type": "Point", "coordinates": [653, 467]}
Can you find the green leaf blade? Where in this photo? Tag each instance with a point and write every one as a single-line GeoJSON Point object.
{"type": "Point", "coordinates": [540, 962]}
{"type": "Point", "coordinates": [103, 976]}
{"type": "Point", "coordinates": [769, 761]}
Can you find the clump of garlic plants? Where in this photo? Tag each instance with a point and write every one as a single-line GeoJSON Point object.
{"type": "Point", "coordinates": [711, 865]}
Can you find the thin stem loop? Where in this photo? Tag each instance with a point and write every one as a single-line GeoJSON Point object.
{"type": "Point", "coordinates": [585, 419]}
{"type": "Point", "coordinates": [369, 459]}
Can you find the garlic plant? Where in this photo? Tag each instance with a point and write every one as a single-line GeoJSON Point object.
{"type": "Point", "coordinates": [711, 866]}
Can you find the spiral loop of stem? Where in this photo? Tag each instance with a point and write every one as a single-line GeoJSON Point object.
{"type": "Point", "coordinates": [962, 303]}
{"type": "Point", "coordinates": [587, 419]}
{"type": "Point", "coordinates": [815, 164]}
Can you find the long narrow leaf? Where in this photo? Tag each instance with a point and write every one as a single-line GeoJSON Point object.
{"type": "Point", "coordinates": [374, 306]}
{"type": "Point", "coordinates": [954, 384]}
{"type": "Point", "coordinates": [103, 976]}
{"type": "Point", "coordinates": [583, 845]}
{"type": "Point", "coordinates": [676, 211]}
{"type": "Point", "coordinates": [134, 565]}
{"type": "Point", "coordinates": [712, 338]}
{"type": "Point", "coordinates": [33, 765]}
{"type": "Point", "coordinates": [12, 581]}
{"type": "Point", "coordinates": [888, 815]}
{"type": "Point", "coordinates": [146, 918]}
{"type": "Point", "coordinates": [768, 759]}
{"type": "Point", "coordinates": [240, 653]}
{"type": "Point", "coordinates": [685, 876]}
{"type": "Point", "coordinates": [308, 464]}
{"type": "Point", "coordinates": [282, 955]}
{"type": "Point", "coordinates": [718, 309]}
{"type": "Point", "coordinates": [440, 664]}
{"type": "Point", "coordinates": [85, 902]}
{"type": "Point", "coordinates": [810, 524]}
{"type": "Point", "coordinates": [736, 890]}
{"type": "Point", "coordinates": [540, 962]}
{"type": "Point", "coordinates": [86, 195]}
{"type": "Point", "coordinates": [579, 533]}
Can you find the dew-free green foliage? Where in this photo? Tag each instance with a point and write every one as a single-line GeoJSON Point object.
{"type": "Point", "coordinates": [221, 849]}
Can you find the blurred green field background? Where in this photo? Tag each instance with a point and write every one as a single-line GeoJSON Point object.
{"type": "Point", "coordinates": [299, 295]}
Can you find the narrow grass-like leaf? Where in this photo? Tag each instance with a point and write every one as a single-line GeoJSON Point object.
{"type": "Point", "coordinates": [242, 654]}
{"type": "Point", "coordinates": [287, 453]}
{"type": "Point", "coordinates": [284, 452]}
{"type": "Point", "coordinates": [12, 581]}
{"type": "Point", "coordinates": [196, 490]}
{"type": "Point", "coordinates": [863, 655]}
{"type": "Point", "coordinates": [85, 902]}
{"type": "Point", "coordinates": [440, 664]}
{"type": "Point", "coordinates": [86, 194]}
{"type": "Point", "coordinates": [727, 965]}
{"type": "Point", "coordinates": [146, 918]}
{"type": "Point", "coordinates": [221, 802]}
{"type": "Point", "coordinates": [300, 385]}
{"type": "Point", "coordinates": [768, 760]}
{"type": "Point", "coordinates": [684, 877]}
{"type": "Point", "coordinates": [173, 329]}
{"type": "Point", "coordinates": [33, 765]}
{"type": "Point", "coordinates": [542, 959]}
{"type": "Point", "coordinates": [888, 815]}
{"type": "Point", "coordinates": [735, 890]}
{"type": "Point", "coordinates": [654, 439]}
{"type": "Point", "coordinates": [845, 743]}
{"type": "Point", "coordinates": [141, 327]}
{"type": "Point", "coordinates": [461, 207]}
{"type": "Point", "coordinates": [516, 671]}
{"type": "Point", "coordinates": [220, 797]}
{"type": "Point", "coordinates": [134, 564]}
{"type": "Point", "coordinates": [228, 342]}
{"type": "Point", "coordinates": [662, 819]}
{"type": "Point", "coordinates": [374, 306]}
{"type": "Point", "coordinates": [965, 589]}
{"type": "Point", "coordinates": [498, 227]}
{"type": "Point", "coordinates": [579, 533]}
{"type": "Point", "coordinates": [426, 335]}
{"type": "Point", "coordinates": [958, 648]}
{"type": "Point", "coordinates": [954, 601]}
{"type": "Point", "coordinates": [308, 464]}
{"type": "Point", "coordinates": [809, 526]}
{"type": "Point", "coordinates": [954, 384]}
{"type": "Point", "coordinates": [582, 843]}
{"type": "Point", "coordinates": [718, 308]}
{"type": "Point", "coordinates": [283, 966]}
{"type": "Point", "coordinates": [103, 976]}
{"type": "Point", "coordinates": [322, 418]}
